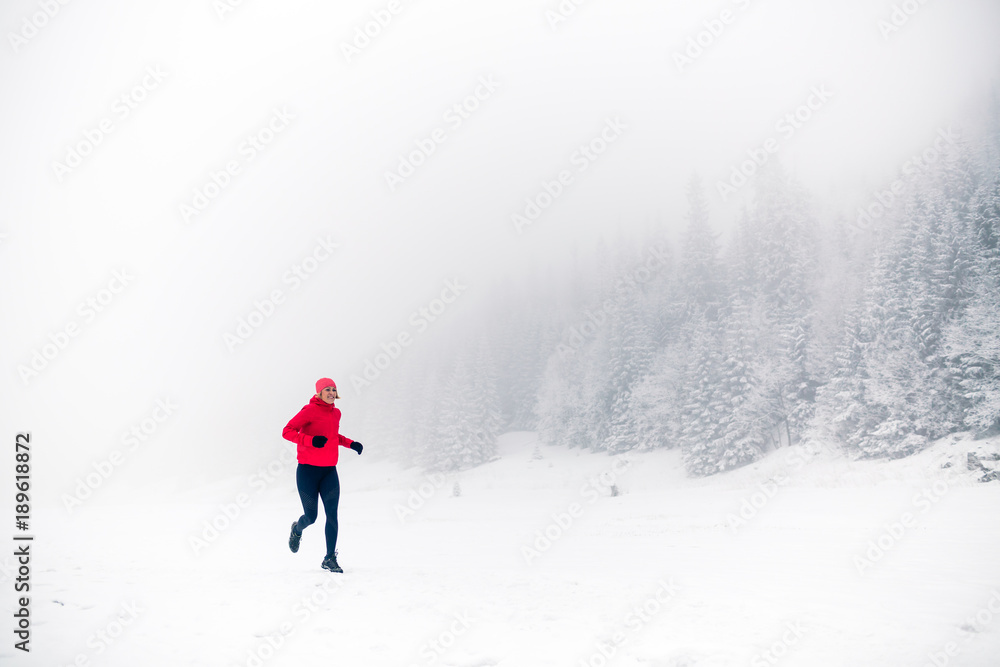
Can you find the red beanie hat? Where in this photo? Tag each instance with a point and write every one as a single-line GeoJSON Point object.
{"type": "Point", "coordinates": [323, 383]}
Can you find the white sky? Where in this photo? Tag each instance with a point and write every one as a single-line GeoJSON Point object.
{"type": "Point", "coordinates": [163, 335]}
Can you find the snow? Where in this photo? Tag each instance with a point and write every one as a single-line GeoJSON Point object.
{"type": "Point", "coordinates": [450, 582]}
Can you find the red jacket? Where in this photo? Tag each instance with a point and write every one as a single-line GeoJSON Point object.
{"type": "Point", "coordinates": [316, 418]}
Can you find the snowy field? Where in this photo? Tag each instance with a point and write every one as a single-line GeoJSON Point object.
{"type": "Point", "coordinates": [805, 558]}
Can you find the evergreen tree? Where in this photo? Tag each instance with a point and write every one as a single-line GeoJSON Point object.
{"type": "Point", "coordinates": [630, 353]}
{"type": "Point", "coordinates": [655, 403]}
{"type": "Point", "coordinates": [776, 259]}
{"type": "Point", "coordinates": [748, 415]}
{"type": "Point", "coordinates": [974, 343]}
{"type": "Point", "coordinates": [427, 446]}
{"type": "Point", "coordinates": [486, 415]}
{"type": "Point", "coordinates": [700, 269]}
{"type": "Point", "coordinates": [885, 340]}
{"type": "Point", "coordinates": [972, 340]}
{"type": "Point", "coordinates": [704, 408]}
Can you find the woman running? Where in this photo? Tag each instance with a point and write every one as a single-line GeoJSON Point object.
{"type": "Point", "coordinates": [316, 426]}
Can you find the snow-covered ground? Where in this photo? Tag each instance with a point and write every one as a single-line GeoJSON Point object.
{"type": "Point", "coordinates": [805, 558]}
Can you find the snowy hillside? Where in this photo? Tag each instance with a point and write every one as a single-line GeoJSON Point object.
{"type": "Point", "coordinates": [804, 558]}
{"type": "Point", "coordinates": [587, 280]}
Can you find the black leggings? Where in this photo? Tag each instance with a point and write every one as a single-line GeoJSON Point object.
{"type": "Point", "coordinates": [317, 482]}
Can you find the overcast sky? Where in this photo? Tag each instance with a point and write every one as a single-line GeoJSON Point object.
{"type": "Point", "coordinates": [198, 80]}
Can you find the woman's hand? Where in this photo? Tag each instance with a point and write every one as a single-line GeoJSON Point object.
{"type": "Point", "coordinates": [357, 446]}
{"type": "Point", "coordinates": [319, 441]}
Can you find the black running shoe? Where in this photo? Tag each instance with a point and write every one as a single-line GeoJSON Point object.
{"type": "Point", "coordinates": [330, 563]}
{"type": "Point", "coordinates": [293, 539]}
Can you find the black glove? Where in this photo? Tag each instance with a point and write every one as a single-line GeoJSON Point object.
{"type": "Point", "coordinates": [357, 446]}
{"type": "Point", "coordinates": [319, 441]}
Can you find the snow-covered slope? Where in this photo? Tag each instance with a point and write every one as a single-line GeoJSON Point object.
{"type": "Point", "coordinates": [805, 558]}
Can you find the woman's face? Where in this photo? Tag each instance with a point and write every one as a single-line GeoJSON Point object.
{"type": "Point", "coordinates": [329, 394]}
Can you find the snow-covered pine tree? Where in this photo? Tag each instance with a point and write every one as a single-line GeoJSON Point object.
{"type": "Point", "coordinates": [559, 400]}
{"type": "Point", "coordinates": [984, 221]}
{"type": "Point", "coordinates": [657, 400]}
{"type": "Point", "coordinates": [972, 340]}
{"type": "Point", "coordinates": [893, 376]}
{"type": "Point", "coordinates": [748, 418]}
{"type": "Point", "coordinates": [704, 405]}
{"type": "Point", "coordinates": [429, 392]}
{"type": "Point", "coordinates": [915, 288]}
{"type": "Point", "coordinates": [784, 259]}
{"type": "Point", "coordinates": [702, 278]}
{"type": "Point", "coordinates": [520, 343]}
{"type": "Point", "coordinates": [457, 445]}
{"type": "Point", "coordinates": [630, 341]}
{"type": "Point", "coordinates": [974, 346]}
{"type": "Point", "coordinates": [574, 403]}
{"type": "Point", "coordinates": [594, 412]}
{"type": "Point", "coordinates": [486, 415]}
{"type": "Point", "coordinates": [841, 404]}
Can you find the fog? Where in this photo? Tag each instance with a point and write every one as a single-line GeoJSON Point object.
{"type": "Point", "coordinates": [200, 77]}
